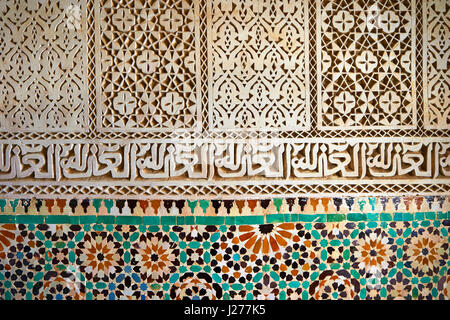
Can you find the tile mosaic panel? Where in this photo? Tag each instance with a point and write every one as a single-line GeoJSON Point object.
{"type": "Point", "coordinates": [200, 99]}
{"type": "Point", "coordinates": [319, 249]}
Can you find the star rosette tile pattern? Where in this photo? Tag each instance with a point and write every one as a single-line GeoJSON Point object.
{"type": "Point", "coordinates": [352, 252]}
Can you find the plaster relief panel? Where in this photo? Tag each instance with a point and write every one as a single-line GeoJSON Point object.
{"type": "Point", "coordinates": [367, 64]}
{"type": "Point", "coordinates": [43, 60]}
{"type": "Point", "coordinates": [233, 99]}
{"type": "Point", "coordinates": [147, 65]}
{"type": "Point", "coordinates": [436, 64]}
{"type": "Point", "coordinates": [258, 65]}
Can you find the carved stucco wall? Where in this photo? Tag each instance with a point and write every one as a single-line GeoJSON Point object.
{"type": "Point", "coordinates": [212, 98]}
{"type": "Point", "coordinates": [224, 149]}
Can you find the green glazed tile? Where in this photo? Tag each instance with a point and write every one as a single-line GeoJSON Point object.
{"type": "Point", "coordinates": [57, 219]}
{"type": "Point", "coordinates": [7, 218]}
{"type": "Point", "coordinates": [335, 217]}
{"type": "Point", "coordinates": [99, 226]}
{"type": "Point", "coordinates": [335, 243]}
{"type": "Point", "coordinates": [168, 220]}
{"type": "Point", "coordinates": [312, 218]}
{"type": "Point", "coordinates": [210, 220]}
{"type": "Point", "coordinates": [430, 215]}
{"type": "Point", "coordinates": [407, 216]}
{"type": "Point", "coordinates": [372, 224]}
{"type": "Point", "coordinates": [277, 203]}
{"type": "Point", "coordinates": [320, 218]}
{"type": "Point", "coordinates": [274, 218]}
{"type": "Point", "coordinates": [419, 216]}
{"type": "Point", "coordinates": [106, 219]}
{"type": "Point", "coordinates": [29, 219]}
{"type": "Point", "coordinates": [306, 217]}
{"type": "Point", "coordinates": [287, 217]}
{"type": "Point", "coordinates": [442, 215]}
{"type": "Point", "coordinates": [74, 219]}
{"type": "Point", "coordinates": [398, 216]}
{"type": "Point", "coordinates": [189, 220]}
{"type": "Point", "coordinates": [134, 220]}
{"type": "Point", "coordinates": [373, 216]}
{"type": "Point", "coordinates": [230, 221]}
{"type": "Point", "coordinates": [88, 219]}
{"type": "Point", "coordinates": [153, 228]}
{"type": "Point", "coordinates": [294, 217]}
{"type": "Point", "coordinates": [150, 221]}
{"type": "Point", "coordinates": [180, 220]}
{"type": "Point", "coordinates": [250, 220]}
{"type": "Point", "coordinates": [386, 217]}
{"type": "Point", "coordinates": [356, 216]}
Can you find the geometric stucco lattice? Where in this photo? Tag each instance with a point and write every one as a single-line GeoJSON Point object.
{"type": "Point", "coordinates": [43, 83]}
{"type": "Point", "coordinates": [367, 65]}
{"type": "Point", "coordinates": [147, 65]}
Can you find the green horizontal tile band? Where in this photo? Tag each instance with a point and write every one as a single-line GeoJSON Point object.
{"type": "Point", "coordinates": [74, 219]}
{"type": "Point", "coordinates": [88, 219]}
{"type": "Point", "coordinates": [312, 218]}
{"type": "Point", "coordinates": [189, 220]}
{"type": "Point", "coordinates": [250, 220]}
{"type": "Point", "coordinates": [7, 218]}
{"type": "Point", "coordinates": [275, 218]}
{"type": "Point", "coordinates": [181, 220]}
{"type": "Point", "coordinates": [230, 220]}
{"type": "Point", "coordinates": [30, 219]}
{"type": "Point", "coordinates": [430, 215]}
{"type": "Point", "coordinates": [442, 215]}
{"type": "Point", "coordinates": [406, 216]}
{"type": "Point", "coordinates": [57, 219]}
{"type": "Point", "coordinates": [221, 220]}
{"type": "Point", "coordinates": [335, 217]}
{"type": "Point", "coordinates": [150, 221]}
{"type": "Point", "coordinates": [357, 217]}
{"type": "Point", "coordinates": [320, 218]}
{"type": "Point", "coordinates": [419, 216]}
{"type": "Point", "coordinates": [168, 220]}
{"type": "Point", "coordinates": [129, 220]}
{"type": "Point", "coordinates": [386, 217]}
{"type": "Point", "coordinates": [106, 219]}
{"type": "Point", "coordinates": [398, 216]}
{"type": "Point", "coordinates": [210, 220]}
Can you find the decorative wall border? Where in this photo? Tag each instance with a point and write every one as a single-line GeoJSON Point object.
{"type": "Point", "coordinates": [375, 248]}
{"type": "Point", "coordinates": [229, 168]}
{"type": "Point", "coordinates": [228, 220]}
{"type": "Point", "coordinates": [275, 208]}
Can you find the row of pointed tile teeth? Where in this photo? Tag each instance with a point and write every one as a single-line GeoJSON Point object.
{"type": "Point", "coordinates": [300, 205]}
